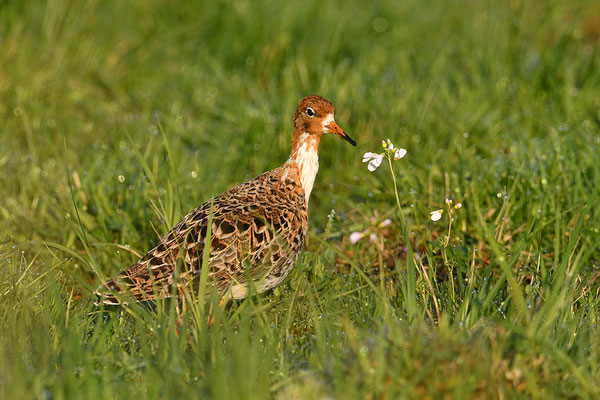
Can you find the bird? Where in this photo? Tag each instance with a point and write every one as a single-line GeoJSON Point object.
{"type": "Point", "coordinates": [257, 229]}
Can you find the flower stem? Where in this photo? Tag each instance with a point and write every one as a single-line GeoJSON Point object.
{"type": "Point", "coordinates": [395, 188]}
{"type": "Point", "coordinates": [445, 243]}
{"type": "Point", "coordinates": [411, 291]}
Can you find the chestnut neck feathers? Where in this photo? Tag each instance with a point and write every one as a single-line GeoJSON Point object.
{"type": "Point", "coordinates": [310, 120]}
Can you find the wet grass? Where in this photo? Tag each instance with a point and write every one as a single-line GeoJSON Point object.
{"type": "Point", "coordinates": [120, 118]}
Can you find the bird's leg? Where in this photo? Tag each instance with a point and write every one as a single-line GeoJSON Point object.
{"type": "Point", "coordinates": [180, 308]}
{"type": "Point", "coordinates": [211, 317]}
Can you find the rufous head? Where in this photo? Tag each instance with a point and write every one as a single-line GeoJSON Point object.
{"type": "Point", "coordinates": [314, 116]}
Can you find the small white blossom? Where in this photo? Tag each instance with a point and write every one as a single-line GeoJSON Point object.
{"type": "Point", "coordinates": [373, 159]}
{"type": "Point", "coordinates": [385, 223]}
{"type": "Point", "coordinates": [375, 162]}
{"type": "Point", "coordinates": [373, 237]}
{"type": "Point", "coordinates": [368, 155]}
{"type": "Point", "coordinates": [400, 153]}
{"type": "Point", "coordinates": [458, 205]}
{"type": "Point", "coordinates": [449, 202]}
{"type": "Point", "coordinates": [355, 237]}
{"type": "Point", "coordinates": [436, 215]}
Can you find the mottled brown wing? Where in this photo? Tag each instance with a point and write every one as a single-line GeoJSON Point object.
{"type": "Point", "coordinates": [263, 247]}
{"type": "Point", "coordinates": [253, 226]}
{"type": "Point", "coordinates": [153, 275]}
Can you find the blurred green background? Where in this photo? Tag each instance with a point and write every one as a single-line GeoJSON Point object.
{"type": "Point", "coordinates": [120, 117]}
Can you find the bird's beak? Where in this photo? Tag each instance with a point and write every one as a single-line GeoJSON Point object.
{"type": "Point", "coordinates": [332, 127]}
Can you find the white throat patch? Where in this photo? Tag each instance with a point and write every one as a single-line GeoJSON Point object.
{"type": "Point", "coordinates": [308, 164]}
{"type": "Point", "coordinates": [328, 119]}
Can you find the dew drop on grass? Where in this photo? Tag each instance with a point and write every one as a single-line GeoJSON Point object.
{"type": "Point", "coordinates": [380, 24]}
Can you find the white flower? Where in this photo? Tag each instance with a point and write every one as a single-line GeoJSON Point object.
{"type": "Point", "coordinates": [449, 202]}
{"type": "Point", "coordinates": [373, 159]}
{"type": "Point", "coordinates": [375, 162]}
{"type": "Point", "coordinates": [368, 155]}
{"type": "Point", "coordinates": [388, 145]}
{"type": "Point", "coordinates": [436, 215]}
{"type": "Point", "coordinates": [400, 153]}
{"type": "Point", "coordinates": [385, 223]}
{"type": "Point", "coordinates": [355, 237]}
{"type": "Point", "coordinates": [373, 237]}
{"type": "Point", "coordinates": [458, 205]}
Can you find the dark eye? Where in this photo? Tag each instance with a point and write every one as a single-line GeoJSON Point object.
{"type": "Point", "coordinates": [310, 112]}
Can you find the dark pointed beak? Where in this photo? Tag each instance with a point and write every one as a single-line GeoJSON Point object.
{"type": "Point", "coordinates": [334, 128]}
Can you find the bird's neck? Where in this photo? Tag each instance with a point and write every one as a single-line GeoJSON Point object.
{"type": "Point", "coordinates": [305, 159]}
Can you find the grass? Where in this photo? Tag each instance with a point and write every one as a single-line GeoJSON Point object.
{"type": "Point", "coordinates": [118, 118]}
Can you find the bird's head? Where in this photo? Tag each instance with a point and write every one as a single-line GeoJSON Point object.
{"type": "Point", "coordinates": [315, 116]}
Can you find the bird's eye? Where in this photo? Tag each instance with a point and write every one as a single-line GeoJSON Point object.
{"type": "Point", "coordinates": [310, 112]}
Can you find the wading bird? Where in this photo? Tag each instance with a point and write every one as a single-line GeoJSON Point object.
{"type": "Point", "coordinates": [258, 228]}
